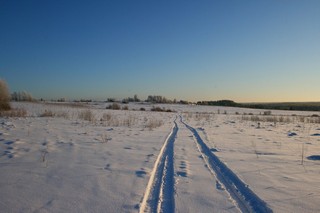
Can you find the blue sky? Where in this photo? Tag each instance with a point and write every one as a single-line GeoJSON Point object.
{"type": "Point", "coordinates": [192, 50]}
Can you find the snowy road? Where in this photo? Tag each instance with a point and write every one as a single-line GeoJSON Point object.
{"type": "Point", "coordinates": [196, 188]}
{"type": "Point", "coordinates": [188, 177]}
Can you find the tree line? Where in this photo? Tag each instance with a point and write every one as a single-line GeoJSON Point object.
{"type": "Point", "coordinates": [296, 106]}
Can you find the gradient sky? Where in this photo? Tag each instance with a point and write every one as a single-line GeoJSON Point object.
{"type": "Point", "coordinates": [248, 50]}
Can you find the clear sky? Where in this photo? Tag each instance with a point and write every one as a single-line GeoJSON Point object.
{"type": "Point", "coordinates": [248, 50]}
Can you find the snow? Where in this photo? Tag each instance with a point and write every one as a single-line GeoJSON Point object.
{"type": "Point", "coordinates": [67, 164]}
{"type": "Point", "coordinates": [269, 160]}
{"type": "Point", "coordinates": [196, 187]}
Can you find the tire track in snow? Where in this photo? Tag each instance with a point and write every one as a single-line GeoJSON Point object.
{"type": "Point", "coordinates": [159, 195]}
{"type": "Point", "coordinates": [244, 197]}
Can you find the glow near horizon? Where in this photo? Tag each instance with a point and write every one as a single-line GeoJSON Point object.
{"type": "Point", "coordinates": [246, 51]}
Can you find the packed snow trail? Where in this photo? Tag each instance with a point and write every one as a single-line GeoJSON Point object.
{"type": "Point", "coordinates": [159, 195]}
{"type": "Point", "coordinates": [196, 189]}
{"type": "Point", "coordinates": [245, 198]}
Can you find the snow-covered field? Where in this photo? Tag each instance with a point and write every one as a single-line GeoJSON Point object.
{"type": "Point", "coordinates": [86, 158]}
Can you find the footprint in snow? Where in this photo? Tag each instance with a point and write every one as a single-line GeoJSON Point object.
{"type": "Point", "coordinates": [9, 142]}
{"type": "Point", "coordinates": [290, 134]}
{"type": "Point", "coordinates": [140, 173]}
{"type": "Point", "coordinates": [127, 147]}
{"type": "Point", "coordinates": [8, 153]}
{"type": "Point", "coordinates": [107, 167]}
{"type": "Point", "coordinates": [184, 167]}
{"type": "Point", "coordinates": [182, 174]}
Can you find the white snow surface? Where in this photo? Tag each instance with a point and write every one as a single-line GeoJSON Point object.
{"type": "Point", "coordinates": [66, 164]}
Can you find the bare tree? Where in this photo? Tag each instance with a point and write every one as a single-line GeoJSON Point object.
{"type": "Point", "coordinates": [22, 96]}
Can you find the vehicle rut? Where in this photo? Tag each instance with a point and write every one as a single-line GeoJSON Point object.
{"type": "Point", "coordinates": [244, 197]}
{"type": "Point", "coordinates": [160, 192]}
{"type": "Point", "coordinates": [159, 195]}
